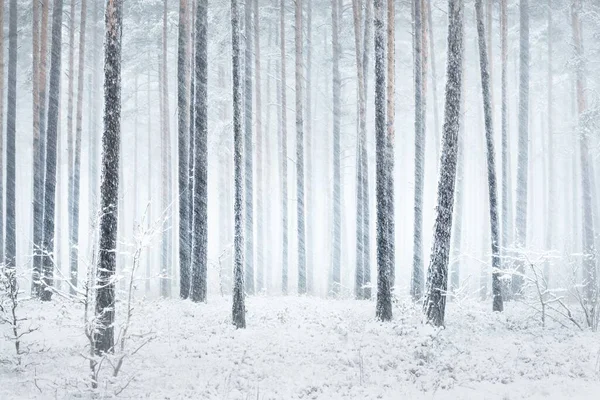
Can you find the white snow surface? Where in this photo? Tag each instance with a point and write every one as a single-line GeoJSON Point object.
{"type": "Point", "coordinates": [307, 348]}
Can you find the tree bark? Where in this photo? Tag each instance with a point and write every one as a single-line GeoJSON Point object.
{"type": "Point", "coordinates": [505, 159]}
{"type": "Point", "coordinates": [2, 128]}
{"type": "Point", "coordinates": [437, 281]}
{"type": "Point", "coordinates": [260, 279]}
{"type": "Point", "coordinates": [239, 308]}
{"type": "Point", "coordinates": [337, 193]}
{"type": "Point", "coordinates": [283, 139]}
{"type": "Point", "coordinates": [11, 119]}
{"type": "Point", "coordinates": [300, 150]}
{"type": "Point", "coordinates": [391, 119]}
{"type": "Point", "coordinates": [109, 185]}
{"type": "Point", "coordinates": [550, 171]}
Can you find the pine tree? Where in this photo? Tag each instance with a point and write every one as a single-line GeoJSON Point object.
{"type": "Point", "coordinates": [2, 132]}
{"type": "Point", "coordinates": [505, 156]}
{"type": "Point", "coordinates": [239, 308]}
{"type": "Point", "coordinates": [523, 157]}
{"type": "Point", "coordinates": [337, 192]}
{"type": "Point", "coordinates": [284, 169]}
{"type": "Point", "coordinates": [260, 279]}
{"type": "Point", "coordinates": [51, 153]}
{"type": "Point", "coordinates": [248, 153]}
{"type": "Point", "coordinates": [391, 113]}
{"type": "Point", "coordinates": [11, 119]}
{"type": "Point", "coordinates": [183, 150]}
{"type": "Point", "coordinates": [437, 280]}
{"type": "Point", "coordinates": [384, 247]}
{"type": "Point", "coordinates": [491, 163]}
{"type": "Point", "coordinates": [300, 150]}
{"type": "Point", "coordinates": [417, 272]}
{"type": "Point", "coordinates": [551, 209]}
{"type": "Point", "coordinates": [200, 238]}
{"type": "Point", "coordinates": [109, 186]}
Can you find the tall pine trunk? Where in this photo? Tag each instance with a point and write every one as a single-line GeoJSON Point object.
{"type": "Point", "coordinates": [109, 184]}
{"type": "Point", "coordinates": [384, 247]}
{"type": "Point", "coordinates": [300, 150]}
{"type": "Point", "coordinates": [200, 238]}
{"type": "Point", "coordinates": [308, 125]}
{"type": "Point", "coordinates": [260, 279]}
{"type": "Point", "coordinates": [51, 153]}
{"type": "Point", "coordinates": [504, 118]}
{"type": "Point", "coordinates": [550, 211]}
{"type": "Point", "coordinates": [284, 169]}
{"type": "Point", "coordinates": [11, 120]}
{"type": "Point", "coordinates": [248, 153]}
{"type": "Point", "coordinates": [337, 191]}
{"type": "Point", "coordinates": [491, 163]}
{"type": "Point", "coordinates": [239, 308]}
{"type": "Point", "coordinates": [417, 272]}
{"type": "Point", "coordinates": [523, 157]}
{"type": "Point", "coordinates": [391, 117]}
{"type": "Point", "coordinates": [183, 149]}
{"type": "Point", "coordinates": [437, 279]}
{"type": "Point", "coordinates": [2, 132]}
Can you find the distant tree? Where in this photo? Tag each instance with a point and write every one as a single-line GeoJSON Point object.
{"type": "Point", "coordinates": [260, 244]}
{"type": "Point", "coordinates": [300, 150]}
{"type": "Point", "coordinates": [308, 132]}
{"type": "Point", "coordinates": [109, 187]}
{"type": "Point", "coordinates": [551, 208]}
{"type": "Point", "coordinates": [505, 156]}
{"type": "Point", "coordinates": [384, 295]}
{"type": "Point", "coordinates": [200, 238]}
{"type": "Point", "coordinates": [11, 119]}
{"type": "Point", "coordinates": [491, 163]}
{"type": "Point", "coordinates": [337, 192]}
{"type": "Point", "coordinates": [248, 151]}
{"type": "Point", "coordinates": [51, 153]}
{"type": "Point", "coordinates": [523, 157]}
{"type": "Point", "coordinates": [284, 169]}
{"type": "Point", "coordinates": [437, 281]}
{"type": "Point", "coordinates": [183, 149]}
{"type": "Point", "coordinates": [239, 308]}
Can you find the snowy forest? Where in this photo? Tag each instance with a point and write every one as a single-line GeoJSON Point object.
{"type": "Point", "coordinates": [299, 199]}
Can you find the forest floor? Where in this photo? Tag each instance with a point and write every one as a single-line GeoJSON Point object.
{"type": "Point", "coordinates": [305, 348]}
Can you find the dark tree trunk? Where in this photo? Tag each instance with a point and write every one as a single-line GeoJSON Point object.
{"type": "Point", "coordinates": [384, 295]}
{"type": "Point", "coordinates": [491, 163]}
{"type": "Point", "coordinates": [239, 308]}
{"type": "Point", "coordinates": [109, 184]}
{"type": "Point", "coordinates": [11, 119]}
{"type": "Point", "coordinates": [183, 147]}
{"type": "Point", "coordinates": [437, 281]}
{"type": "Point", "coordinates": [2, 129]}
{"type": "Point", "coordinates": [200, 239]}
{"type": "Point", "coordinates": [51, 153]}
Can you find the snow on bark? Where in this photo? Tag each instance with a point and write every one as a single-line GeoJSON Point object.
{"type": "Point", "coordinates": [10, 251]}
{"type": "Point", "coordinates": [260, 228]}
{"type": "Point", "coordinates": [2, 132]}
{"type": "Point", "coordinates": [384, 245]}
{"type": "Point", "coordinates": [51, 154]}
{"type": "Point", "coordinates": [491, 163]}
{"type": "Point", "coordinates": [109, 183]}
{"type": "Point", "coordinates": [239, 308]}
{"type": "Point", "coordinates": [391, 116]}
{"type": "Point", "coordinates": [200, 222]}
{"type": "Point", "coordinates": [437, 279]}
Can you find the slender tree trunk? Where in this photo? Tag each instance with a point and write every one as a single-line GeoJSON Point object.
{"type": "Point", "coordinates": [11, 119]}
{"type": "Point", "coordinates": [284, 169]}
{"type": "Point", "coordinates": [76, 176]}
{"type": "Point", "coordinates": [192, 134]}
{"type": "Point", "coordinates": [434, 77]}
{"type": "Point", "coordinates": [417, 273]}
{"type": "Point", "coordinates": [437, 281]}
{"type": "Point", "coordinates": [337, 192]}
{"type": "Point", "coordinates": [391, 119]}
{"type": "Point", "coordinates": [183, 149]}
{"type": "Point", "coordinates": [300, 150]}
{"type": "Point", "coordinates": [522, 171]}
{"type": "Point", "coordinates": [505, 159]}
{"type": "Point", "coordinates": [366, 219]}
{"type": "Point", "coordinates": [109, 188]}
{"type": "Point", "coordinates": [309, 210]}
{"type": "Point", "coordinates": [70, 107]}
{"type": "Point", "coordinates": [260, 279]}
{"type": "Point", "coordinates": [589, 259]}
{"type": "Point", "coordinates": [149, 260]}
{"type": "Point", "coordinates": [384, 247]}
{"type": "Point", "coordinates": [2, 128]}
{"type": "Point", "coordinates": [239, 308]}
{"type": "Point", "coordinates": [248, 153]}
{"type": "Point", "coordinates": [491, 164]}
{"type": "Point", "coordinates": [51, 153]}
{"type": "Point", "coordinates": [550, 171]}
{"type": "Point", "coordinates": [200, 240]}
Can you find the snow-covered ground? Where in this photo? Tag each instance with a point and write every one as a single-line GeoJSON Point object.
{"type": "Point", "coordinates": [308, 348]}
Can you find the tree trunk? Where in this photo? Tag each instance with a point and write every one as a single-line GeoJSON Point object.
{"type": "Point", "coordinates": [309, 209]}
{"type": "Point", "coordinates": [417, 273]}
{"type": "Point", "coordinates": [359, 284]}
{"type": "Point", "coordinates": [437, 281]}
{"type": "Point", "coordinates": [183, 149]}
{"type": "Point", "coordinates": [70, 106]}
{"type": "Point", "coordinates": [109, 186]}
{"type": "Point", "coordinates": [300, 151]}
{"type": "Point", "coordinates": [505, 156]}
{"type": "Point", "coordinates": [149, 260]}
{"type": "Point", "coordinates": [589, 259]}
{"type": "Point", "coordinates": [2, 128]}
{"type": "Point", "coordinates": [434, 78]}
{"type": "Point", "coordinates": [337, 192]}
{"type": "Point", "coordinates": [74, 186]}
{"type": "Point", "coordinates": [550, 211]}
{"type": "Point", "coordinates": [260, 279]}
{"type": "Point", "coordinates": [391, 118]}
{"type": "Point", "coordinates": [51, 153]}
{"type": "Point", "coordinates": [248, 153]}
{"type": "Point", "coordinates": [284, 169]}
{"type": "Point", "coordinates": [11, 119]}
{"type": "Point", "coordinates": [384, 247]}
{"type": "Point", "coordinates": [523, 163]}
{"type": "Point", "coordinates": [491, 163]}
{"type": "Point", "coordinates": [239, 308]}
{"type": "Point", "coordinates": [200, 240]}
